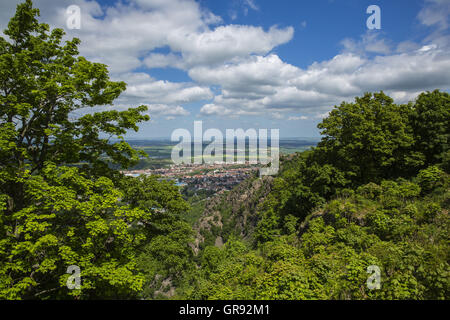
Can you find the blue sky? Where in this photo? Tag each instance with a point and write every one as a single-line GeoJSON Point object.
{"type": "Point", "coordinates": [257, 63]}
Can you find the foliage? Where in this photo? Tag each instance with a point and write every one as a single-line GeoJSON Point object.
{"type": "Point", "coordinates": [70, 220]}
{"type": "Point", "coordinates": [62, 200]}
{"type": "Point", "coordinates": [430, 178]}
{"type": "Point", "coordinates": [329, 257]}
{"type": "Point", "coordinates": [372, 193]}
{"type": "Point", "coordinates": [430, 124]}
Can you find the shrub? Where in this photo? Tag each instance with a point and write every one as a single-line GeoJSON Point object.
{"type": "Point", "coordinates": [430, 178]}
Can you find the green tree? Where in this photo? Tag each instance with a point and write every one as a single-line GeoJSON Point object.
{"type": "Point", "coordinates": [61, 201]}
{"type": "Point", "coordinates": [42, 83]}
{"type": "Point", "coordinates": [70, 219]}
{"type": "Point", "coordinates": [431, 125]}
{"type": "Point", "coordinates": [430, 178]}
{"type": "Point", "coordinates": [369, 139]}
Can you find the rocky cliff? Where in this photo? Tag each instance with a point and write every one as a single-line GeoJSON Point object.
{"type": "Point", "coordinates": [231, 213]}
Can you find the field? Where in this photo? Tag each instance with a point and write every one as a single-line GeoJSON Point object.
{"type": "Point", "coordinates": [159, 151]}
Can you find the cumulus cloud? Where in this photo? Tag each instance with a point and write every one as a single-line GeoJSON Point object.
{"type": "Point", "coordinates": [226, 43]}
{"type": "Point", "coordinates": [238, 60]}
{"type": "Point", "coordinates": [164, 98]}
{"type": "Point", "coordinates": [165, 110]}
{"type": "Point", "coordinates": [142, 87]}
{"type": "Point", "coordinates": [158, 60]}
{"type": "Point", "coordinates": [370, 42]}
{"type": "Point", "coordinates": [124, 35]}
{"type": "Point", "coordinates": [252, 77]}
{"type": "Point", "coordinates": [267, 84]}
{"type": "Point", "coordinates": [214, 110]}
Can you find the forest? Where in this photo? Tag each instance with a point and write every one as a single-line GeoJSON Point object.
{"type": "Point", "coordinates": [374, 192]}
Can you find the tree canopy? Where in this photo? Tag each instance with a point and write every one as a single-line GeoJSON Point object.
{"type": "Point", "coordinates": [61, 201]}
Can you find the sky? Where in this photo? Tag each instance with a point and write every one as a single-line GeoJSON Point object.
{"type": "Point", "coordinates": [261, 64]}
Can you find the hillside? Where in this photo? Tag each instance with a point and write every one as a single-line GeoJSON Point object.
{"type": "Point", "coordinates": [362, 216]}
{"type": "Point", "coordinates": [394, 225]}
{"type": "Point", "coordinates": [231, 213]}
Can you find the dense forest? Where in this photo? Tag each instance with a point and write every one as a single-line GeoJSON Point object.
{"type": "Point", "coordinates": [374, 192]}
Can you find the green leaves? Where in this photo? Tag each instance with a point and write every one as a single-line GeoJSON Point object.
{"type": "Point", "coordinates": [71, 219]}
{"type": "Point", "coordinates": [44, 82]}
{"type": "Point", "coordinates": [370, 138]}
{"type": "Point", "coordinates": [430, 122]}
{"type": "Point", "coordinates": [62, 200]}
{"type": "Point", "coordinates": [430, 178]}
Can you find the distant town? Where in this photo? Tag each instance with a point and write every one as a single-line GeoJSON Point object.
{"type": "Point", "coordinates": [209, 177]}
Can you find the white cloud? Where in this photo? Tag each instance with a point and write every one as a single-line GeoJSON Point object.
{"type": "Point", "coordinates": [251, 4]}
{"type": "Point", "coordinates": [407, 46]}
{"type": "Point", "coordinates": [143, 87]}
{"type": "Point", "coordinates": [163, 96]}
{"type": "Point", "coordinates": [165, 110]}
{"type": "Point", "coordinates": [295, 118]}
{"type": "Point", "coordinates": [123, 36]}
{"type": "Point", "coordinates": [168, 92]}
{"type": "Point", "coordinates": [238, 60]}
{"type": "Point", "coordinates": [370, 42]}
{"type": "Point", "coordinates": [226, 43]}
{"type": "Point", "coordinates": [263, 85]}
{"type": "Point", "coordinates": [158, 60]}
{"type": "Point", "coordinates": [277, 115]}
{"type": "Point", "coordinates": [253, 77]}
{"type": "Point", "coordinates": [213, 109]}
{"type": "Point", "coordinates": [435, 13]}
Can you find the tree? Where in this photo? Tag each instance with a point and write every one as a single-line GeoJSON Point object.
{"type": "Point", "coordinates": [369, 139]}
{"type": "Point", "coordinates": [61, 201]}
{"type": "Point", "coordinates": [167, 256]}
{"type": "Point", "coordinates": [430, 178]}
{"type": "Point", "coordinates": [69, 219]}
{"type": "Point", "coordinates": [431, 125]}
